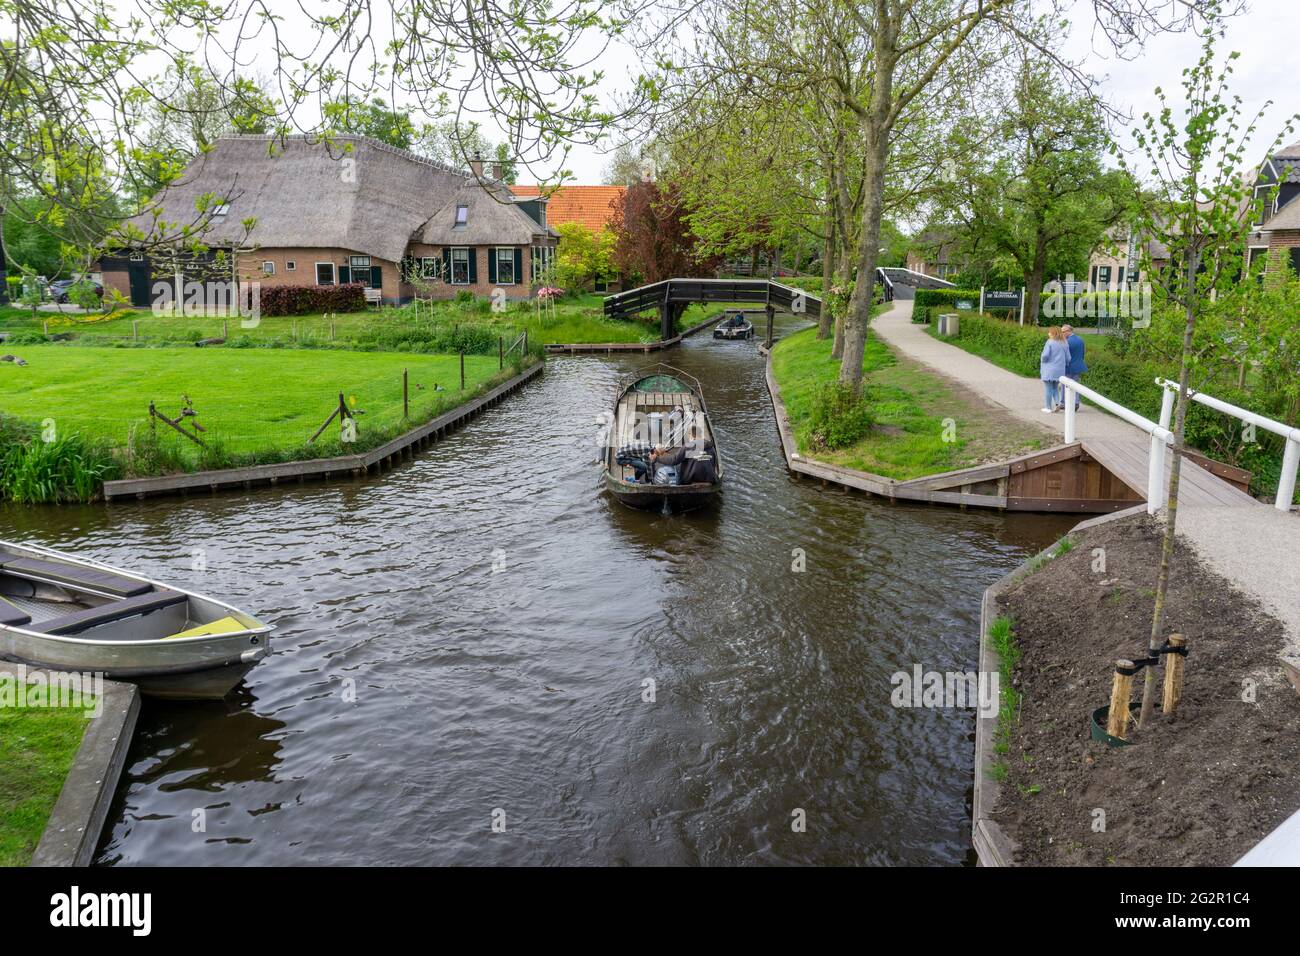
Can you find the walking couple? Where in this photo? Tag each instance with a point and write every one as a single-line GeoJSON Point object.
{"type": "Point", "coordinates": [1062, 355]}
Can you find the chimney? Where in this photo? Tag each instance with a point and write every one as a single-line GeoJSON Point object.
{"type": "Point", "coordinates": [498, 170]}
{"type": "Point", "coordinates": [476, 165]}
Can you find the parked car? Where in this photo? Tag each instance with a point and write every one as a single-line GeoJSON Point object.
{"type": "Point", "coordinates": [60, 289]}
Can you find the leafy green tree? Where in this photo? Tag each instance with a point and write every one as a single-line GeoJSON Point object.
{"type": "Point", "coordinates": [1029, 186]}
{"type": "Point", "coordinates": [1202, 211]}
{"type": "Point", "coordinates": [583, 255]}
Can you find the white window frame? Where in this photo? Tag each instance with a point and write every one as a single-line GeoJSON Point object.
{"type": "Point", "coordinates": [334, 274]}
{"type": "Point", "coordinates": [1250, 257]}
{"type": "Point", "coordinates": [462, 214]}
{"type": "Point", "coordinates": [137, 257]}
{"type": "Point", "coordinates": [468, 252]}
{"type": "Point", "coordinates": [359, 262]}
{"type": "Point", "coordinates": [268, 267]}
{"type": "Point", "coordinates": [510, 257]}
{"type": "Point", "coordinates": [222, 209]}
{"type": "Point", "coordinates": [290, 265]}
{"type": "Point", "coordinates": [429, 267]}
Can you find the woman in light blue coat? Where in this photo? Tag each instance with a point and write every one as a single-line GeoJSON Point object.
{"type": "Point", "coordinates": [1051, 366]}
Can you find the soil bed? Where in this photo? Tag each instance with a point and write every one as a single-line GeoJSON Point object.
{"type": "Point", "coordinates": [1199, 788]}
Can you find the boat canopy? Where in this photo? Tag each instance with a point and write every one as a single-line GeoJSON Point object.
{"type": "Point", "coordinates": [660, 383]}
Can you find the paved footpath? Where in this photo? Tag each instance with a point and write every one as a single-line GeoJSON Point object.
{"type": "Point", "coordinates": [1257, 548]}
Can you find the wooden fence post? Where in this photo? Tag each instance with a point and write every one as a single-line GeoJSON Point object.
{"type": "Point", "coordinates": [462, 371]}
{"type": "Point", "coordinates": [501, 352]}
{"type": "Point", "coordinates": [225, 328]}
{"type": "Point", "coordinates": [406, 395]}
{"type": "Point", "coordinates": [1121, 690]}
{"type": "Point", "coordinates": [1174, 664]}
{"type": "Point", "coordinates": [135, 328]}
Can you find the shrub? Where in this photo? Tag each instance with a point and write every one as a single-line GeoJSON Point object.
{"type": "Point", "coordinates": [840, 416]}
{"type": "Point", "coordinates": [24, 338]}
{"type": "Point", "coordinates": [306, 299]}
{"type": "Point", "coordinates": [68, 469]}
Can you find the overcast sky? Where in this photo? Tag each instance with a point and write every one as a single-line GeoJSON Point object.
{"type": "Point", "coordinates": [1268, 37]}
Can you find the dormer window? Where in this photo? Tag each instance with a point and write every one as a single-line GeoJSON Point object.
{"type": "Point", "coordinates": [462, 214]}
{"type": "Point", "coordinates": [221, 210]}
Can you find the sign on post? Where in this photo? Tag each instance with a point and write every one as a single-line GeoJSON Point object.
{"type": "Point", "coordinates": [995, 299]}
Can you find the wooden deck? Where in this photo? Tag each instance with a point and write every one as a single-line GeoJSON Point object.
{"type": "Point", "coordinates": [1207, 482]}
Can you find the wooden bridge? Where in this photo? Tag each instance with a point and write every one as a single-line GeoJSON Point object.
{"type": "Point", "coordinates": [672, 296]}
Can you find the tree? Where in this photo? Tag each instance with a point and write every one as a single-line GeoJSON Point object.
{"type": "Point", "coordinates": [583, 255]}
{"type": "Point", "coordinates": [375, 119]}
{"type": "Point", "coordinates": [652, 237]}
{"type": "Point", "coordinates": [1202, 211]}
{"type": "Point", "coordinates": [1029, 185]}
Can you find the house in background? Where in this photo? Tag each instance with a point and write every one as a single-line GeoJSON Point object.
{"type": "Point", "coordinates": [1115, 264]}
{"type": "Point", "coordinates": [591, 207]}
{"type": "Point", "coordinates": [934, 253]}
{"type": "Point", "coordinates": [356, 210]}
{"type": "Point", "coordinates": [1277, 231]}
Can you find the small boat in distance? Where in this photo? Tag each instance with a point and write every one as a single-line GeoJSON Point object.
{"type": "Point", "coordinates": [67, 613]}
{"type": "Point", "coordinates": [661, 451]}
{"type": "Point", "coordinates": [734, 326]}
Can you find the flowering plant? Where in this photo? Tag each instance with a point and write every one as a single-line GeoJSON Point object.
{"type": "Point", "coordinates": [549, 292]}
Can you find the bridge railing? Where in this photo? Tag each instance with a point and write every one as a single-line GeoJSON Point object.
{"type": "Point", "coordinates": [1290, 457]}
{"type": "Point", "coordinates": [1161, 437]}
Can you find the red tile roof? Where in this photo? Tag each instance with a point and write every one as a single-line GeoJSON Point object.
{"type": "Point", "coordinates": [591, 206]}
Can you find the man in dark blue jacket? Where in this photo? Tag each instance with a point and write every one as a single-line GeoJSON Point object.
{"type": "Point", "coordinates": [1077, 365]}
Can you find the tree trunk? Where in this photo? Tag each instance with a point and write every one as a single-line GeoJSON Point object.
{"type": "Point", "coordinates": [4, 258]}
{"type": "Point", "coordinates": [1175, 473]}
{"type": "Point", "coordinates": [1034, 280]}
{"type": "Point", "coordinates": [860, 305]}
{"type": "Point", "coordinates": [828, 274]}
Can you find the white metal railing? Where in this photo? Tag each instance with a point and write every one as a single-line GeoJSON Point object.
{"type": "Point", "coordinates": [1161, 436]}
{"type": "Point", "coordinates": [1290, 457]}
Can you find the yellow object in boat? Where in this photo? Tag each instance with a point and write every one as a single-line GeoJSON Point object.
{"type": "Point", "coordinates": [225, 625]}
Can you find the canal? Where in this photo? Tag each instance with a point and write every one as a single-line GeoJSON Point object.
{"type": "Point", "coordinates": [482, 636]}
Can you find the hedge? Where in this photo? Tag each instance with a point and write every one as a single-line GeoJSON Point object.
{"type": "Point", "coordinates": [950, 297]}
{"type": "Point", "coordinates": [309, 299]}
{"type": "Point", "coordinates": [1131, 383]}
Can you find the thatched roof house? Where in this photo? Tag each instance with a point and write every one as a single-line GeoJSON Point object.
{"type": "Point", "coordinates": [301, 211]}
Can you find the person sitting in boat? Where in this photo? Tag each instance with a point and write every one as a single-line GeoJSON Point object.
{"type": "Point", "coordinates": [696, 463]}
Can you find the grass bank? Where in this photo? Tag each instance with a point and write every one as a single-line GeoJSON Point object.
{"type": "Point", "coordinates": [441, 326]}
{"type": "Point", "coordinates": [921, 423]}
{"type": "Point", "coordinates": [37, 747]}
{"type": "Point", "coordinates": [255, 407]}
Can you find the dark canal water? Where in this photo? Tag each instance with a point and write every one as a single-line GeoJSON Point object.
{"type": "Point", "coordinates": [414, 691]}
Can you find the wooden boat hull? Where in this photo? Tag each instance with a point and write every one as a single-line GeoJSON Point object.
{"type": "Point", "coordinates": [672, 498]}
{"type": "Point", "coordinates": [734, 332]}
{"type": "Point", "coordinates": [142, 647]}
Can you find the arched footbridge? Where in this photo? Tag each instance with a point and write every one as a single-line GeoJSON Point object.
{"type": "Point", "coordinates": [672, 296]}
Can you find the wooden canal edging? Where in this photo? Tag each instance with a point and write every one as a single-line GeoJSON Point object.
{"type": "Point", "coordinates": [384, 456]}
{"type": "Point", "coordinates": [582, 347]}
{"type": "Point", "coordinates": [993, 847]}
{"type": "Point", "coordinates": [1088, 477]}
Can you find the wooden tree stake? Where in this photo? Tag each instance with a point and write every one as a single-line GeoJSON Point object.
{"type": "Point", "coordinates": [1174, 664]}
{"type": "Point", "coordinates": [1120, 691]}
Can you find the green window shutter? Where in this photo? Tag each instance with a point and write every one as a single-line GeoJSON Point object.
{"type": "Point", "coordinates": [345, 275]}
{"type": "Point", "coordinates": [519, 265]}
{"type": "Point", "coordinates": [473, 265]}
{"type": "Point", "coordinates": [376, 277]}
{"type": "Point", "coordinates": [446, 265]}
{"type": "Point", "coordinates": [492, 265]}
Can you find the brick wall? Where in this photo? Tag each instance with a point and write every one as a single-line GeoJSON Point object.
{"type": "Point", "coordinates": [304, 272]}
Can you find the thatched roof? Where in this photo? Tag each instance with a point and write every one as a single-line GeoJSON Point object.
{"type": "Point", "coordinates": [492, 218]}
{"type": "Point", "coordinates": [356, 193]}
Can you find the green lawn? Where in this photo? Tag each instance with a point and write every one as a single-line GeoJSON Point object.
{"type": "Point", "coordinates": [37, 747]}
{"type": "Point", "coordinates": [577, 319]}
{"type": "Point", "coordinates": [909, 405]}
{"type": "Point", "coordinates": [249, 400]}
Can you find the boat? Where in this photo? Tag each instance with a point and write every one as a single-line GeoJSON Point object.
{"type": "Point", "coordinates": [67, 613]}
{"type": "Point", "coordinates": [734, 326]}
{"type": "Point", "coordinates": [661, 407]}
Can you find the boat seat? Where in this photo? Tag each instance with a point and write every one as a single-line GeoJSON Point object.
{"type": "Point", "coordinates": [11, 615]}
{"type": "Point", "coordinates": [78, 621]}
{"type": "Point", "coordinates": [104, 582]}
